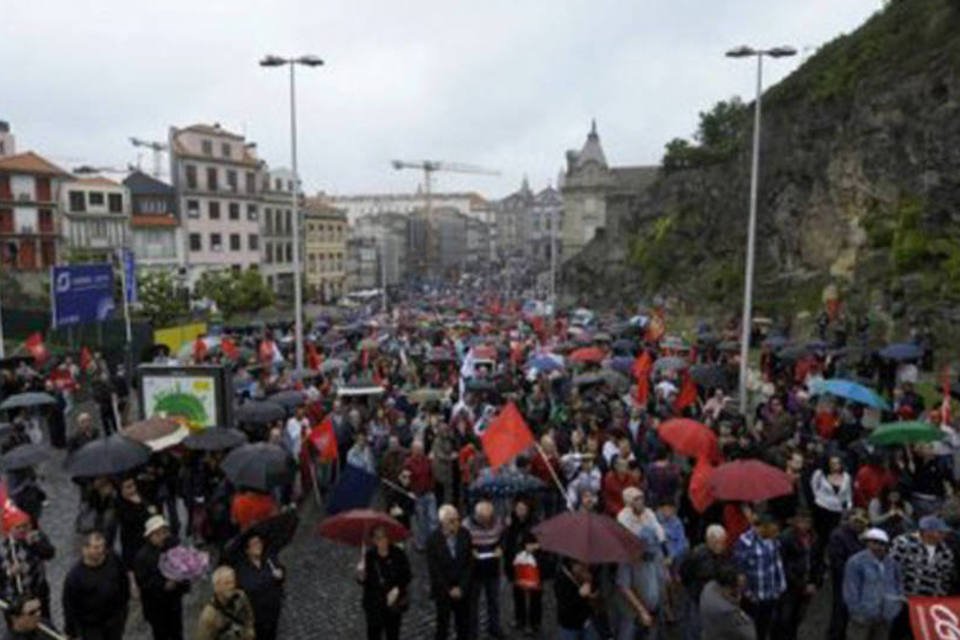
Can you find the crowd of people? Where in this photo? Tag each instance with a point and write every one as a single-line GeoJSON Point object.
{"type": "Point", "coordinates": [407, 397]}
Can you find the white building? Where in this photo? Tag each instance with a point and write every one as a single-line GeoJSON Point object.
{"type": "Point", "coordinates": [96, 217]}
{"type": "Point", "coordinates": [357, 206]}
{"type": "Point", "coordinates": [276, 231]}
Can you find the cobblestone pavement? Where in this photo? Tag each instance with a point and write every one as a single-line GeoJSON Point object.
{"type": "Point", "coordinates": [322, 598]}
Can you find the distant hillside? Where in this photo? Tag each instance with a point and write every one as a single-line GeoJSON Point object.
{"type": "Point", "coordinates": [859, 185]}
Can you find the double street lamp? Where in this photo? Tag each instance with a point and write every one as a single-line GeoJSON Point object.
{"type": "Point", "coordinates": [307, 61]}
{"type": "Point", "coordinates": [746, 322]}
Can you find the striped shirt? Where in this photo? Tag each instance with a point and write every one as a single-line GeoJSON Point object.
{"type": "Point", "coordinates": [760, 561]}
{"type": "Point", "coordinates": [923, 574]}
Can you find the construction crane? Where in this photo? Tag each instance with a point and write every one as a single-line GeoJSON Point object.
{"type": "Point", "coordinates": [425, 261]}
{"type": "Point", "coordinates": [156, 147]}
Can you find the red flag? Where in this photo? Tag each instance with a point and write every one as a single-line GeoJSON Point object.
{"type": "Point", "coordinates": [10, 514]}
{"type": "Point", "coordinates": [314, 359]}
{"type": "Point", "coordinates": [324, 439]}
{"type": "Point", "coordinates": [506, 436]}
{"type": "Point", "coordinates": [934, 618]}
{"type": "Point", "coordinates": [641, 372]}
{"type": "Point", "coordinates": [688, 393]}
{"type": "Point", "coordinates": [229, 348]}
{"type": "Point", "coordinates": [35, 347]}
{"type": "Point", "coordinates": [700, 495]}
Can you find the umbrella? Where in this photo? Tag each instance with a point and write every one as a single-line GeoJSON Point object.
{"type": "Point", "coordinates": [901, 352]}
{"type": "Point", "coordinates": [260, 466]}
{"type": "Point", "coordinates": [276, 532]}
{"type": "Point", "coordinates": [674, 343]}
{"type": "Point", "coordinates": [731, 346]}
{"type": "Point", "coordinates": [108, 456]}
{"type": "Point", "coordinates": [480, 385]}
{"type": "Point", "coordinates": [505, 484]}
{"type": "Point", "coordinates": [624, 346]}
{"type": "Point", "coordinates": [421, 396]}
{"type": "Point", "coordinates": [749, 481]}
{"type": "Point", "coordinates": [545, 363]}
{"type": "Point", "coordinates": [849, 390]}
{"type": "Point", "coordinates": [670, 363]}
{"type": "Point", "coordinates": [776, 342]}
{"type": "Point", "coordinates": [589, 537]}
{"type": "Point", "coordinates": [709, 375]}
{"type": "Point", "coordinates": [259, 412]}
{"type": "Point", "coordinates": [28, 400]}
{"type": "Point", "coordinates": [791, 353]}
{"type": "Point", "coordinates": [24, 456]}
{"type": "Point", "coordinates": [602, 337]}
{"type": "Point", "coordinates": [588, 355]}
{"type": "Point", "coordinates": [331, 365]}
{"type": "Point", "coordinates": [215, 439]}
{"type": "Point", "coordinates": [353, 527]}
{"type": "Point", "coordinates": [290, 399]}
{"type": "Point", "coordinates": [618, 381]}
{"type": "Point", "coordinates": [588, 380]}
{"type": "Point", "coordinates": [623, 364]}
{"type": "Point", "coordinates": [688, 437]}
{"type": "Point", "coordinates": [157, 433]}
{"type": "Point", "coordinates": [817, 346]}
{"type": "Point", "coordinates": [907, 432]}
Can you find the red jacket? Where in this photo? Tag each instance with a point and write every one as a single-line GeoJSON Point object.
{"type": "Point", "coordinates": [613, 486]}
{"type": "Point", "coordinates": [540, 470]}
{"type": "Point", "coordinates": [421, 474]}
{"type": "Point", "coordinates": [869, 482]}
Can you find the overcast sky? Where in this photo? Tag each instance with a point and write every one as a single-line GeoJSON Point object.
{"type": "Point", "coordinates": [506, 84]}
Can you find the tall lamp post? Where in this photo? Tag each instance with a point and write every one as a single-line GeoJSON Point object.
{"type": "Point", "coordinates": [307, 61]}
{"type": "Point", "coordinates": [746, 321]}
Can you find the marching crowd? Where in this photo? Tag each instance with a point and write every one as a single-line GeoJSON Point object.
{"type": "Point", "coordinates": [850, 492]}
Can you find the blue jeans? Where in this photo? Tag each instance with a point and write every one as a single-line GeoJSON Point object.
{"type": "Point", "coordinates": [425, 511]}
{"type": "Point", "coordinates": [587, 633]}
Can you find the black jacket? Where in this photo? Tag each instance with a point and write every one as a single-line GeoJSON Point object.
{"type": "Point", "coordinates": [156, 599]}
{"type": "Point", "coordinates": [699, 567]}
{"type": "Point", "coordinates": [263, 589]}
{"type": "Point", "coordinates": [380, 576]}
{"type": "Point", "coordinates": [573, 610]}
{"type": "Point", "coordinates": [93, 596]}
{"type": "Point", "coordinates": [844, 542]}
{"type": "Point", "coordinates": [800, 564]}
{"type": "Point", "coordinates": [446, 571]}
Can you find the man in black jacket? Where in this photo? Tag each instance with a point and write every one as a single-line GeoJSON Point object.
{"type": "Point", "coordinates": [96, 593]}
{"type": "Point", "coordinates": [450, 561]}
{"type": "Point", "coordinates": [844, 542]}
{"type": "Point", "coordinates": [161, 598]}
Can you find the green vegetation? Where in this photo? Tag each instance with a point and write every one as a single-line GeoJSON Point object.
{"type": "Point", "coordinates": [160, 301]}
{"type": "Point", "coordinates": [719, 135]}
{"type": "Point", "coordinates": [235, 291]}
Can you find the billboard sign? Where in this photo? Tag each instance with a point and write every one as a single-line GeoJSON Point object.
{"type": "Point", "coordinates": [197, 397]}
{"type": "Point", "coordinates": [81, 293]}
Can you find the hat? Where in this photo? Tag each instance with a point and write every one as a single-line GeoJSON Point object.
{"type": "Point", "coordinates": [933, 523]}
{"type": "Point", "coordinates": [876, 535]}
{"type": "Point", "coordinates": [154, 523]}
{"type": "Point", "coordinates": [630, 494]}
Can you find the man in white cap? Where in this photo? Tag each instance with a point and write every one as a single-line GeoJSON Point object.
{"type": "Point", "coordinates": [872, 588]}
{"type": "Point", "coordinates": [161, 598]}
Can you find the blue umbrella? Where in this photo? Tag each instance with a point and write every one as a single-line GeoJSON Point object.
{"type": "Point", "coordinates": [901, 352]}
{"type": "Point", "coordinates": [506, 483]}
{"type": "Point", "coordinates": [775, 342]}
{"type": "Point", "coordinates": [849, 390]}
{"type": "Point", "coordinates": [623, 364]}
{"type": "Point", "coordinates": [544, 363]}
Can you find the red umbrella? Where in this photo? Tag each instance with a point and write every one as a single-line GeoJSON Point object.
{"type": "Point", "coordinates": [353, 527]}
{"type": "Point", "coordinates": [588, 354]}
{"type": "Point", "coordinates": [749, 481]}
{"type": "Point", "coordinates": [688, 437]}
{"type": "Point", "coordinates": [589, 537]}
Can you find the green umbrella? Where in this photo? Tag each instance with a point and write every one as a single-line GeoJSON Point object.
{"type": "Point", "coordinates": [894, 433]}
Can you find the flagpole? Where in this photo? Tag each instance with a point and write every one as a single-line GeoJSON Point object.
{"type": "Point", "coordinates": [3, 353]}
{"type": "Point", "coordinates": [553, 473]}
{"type": "Point", "coordinates": [126, 314]}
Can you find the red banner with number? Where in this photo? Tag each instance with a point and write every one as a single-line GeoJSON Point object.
{"type": "Point", "coordinates": [935, 618]}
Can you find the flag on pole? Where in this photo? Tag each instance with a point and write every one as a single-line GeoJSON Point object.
{"type": "Point", "coordinates": [688, 392]}
{"type": "Point", "coordinates": [324, 439]}
{"type": "Point", "coordinates": [314, 359]}
{"type": "Point", "coordinates": [506, 436]}
{"type": "Point", "coordinates": [641, 372]}
{"type": "Point", "coordinates": [36, 348]}
{"type": "Point", "coordinates": [354, 490]}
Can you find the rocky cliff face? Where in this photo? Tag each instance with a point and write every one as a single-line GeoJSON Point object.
{"type": "Point", "coordinates": [859, 185]}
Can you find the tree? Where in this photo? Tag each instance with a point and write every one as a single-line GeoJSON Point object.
{"type": "Point", "coordinates": [235, 291]}
{"type": "Point", "coordinates": [721, 128]}
{"type": "Point", "coordinates": [159, 299]}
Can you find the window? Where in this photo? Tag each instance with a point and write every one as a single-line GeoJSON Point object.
{"type": "Point", "coordinates": [216, 242]}
{"type": "Point", "coordinates": [251, 182]}
{"type": "Point", "coordinates": [191, 172]}
{"type": "Point", "coordinates": [212, 178]}
{"type": "Point", "coordinates": [252, 212]}
{"type": "Point", "coordinates": [232, 179]}
{"type": "Point", "coordinates": [45, 220]}
{"type": "Point", "coordinates": [213, 210]}
{"type": "Point", "coordinates": [290, 186]}
{"type": "Point", "coordinates": [253, 242]}
{"type": "Point", "coordinates": [234, 210]}
{"type": "Point", "coordinates": [278, 184]}
{"type": "Point", "coordinates": [193, 208]}
{"type": "Point", "coordinates": [268, 253]}
{"type": "Point", "coordinates": [43, 187]}
{"type": "Point", "coordinates": [195, 243]}
{"type": "Point", "coordinates": [115, 202]}
{"type": "Point", "coordinates": [234, 242]}
{"type": "Point", "coordinates": [96, 198]}
{"type": "Point", "coordinates": [207, 147]}
{"type": "Point", "coordinates": [77, 201]}
{"type": "Point", "coordinates": [289, 252]}
{"type": "Point", "coordinates": [287, 217]}
{"type": "Point", "coordinates": [269, 224]}
{"type": "Point", "coordinates": [225, 149]}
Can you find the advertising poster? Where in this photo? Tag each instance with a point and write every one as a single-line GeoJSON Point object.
{"type": "Point", "coordinates": [194, 396]}
{"type": "Point", "coordinates": [81, 293]}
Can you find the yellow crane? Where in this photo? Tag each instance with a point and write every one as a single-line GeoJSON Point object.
{"type": "Point", "coordinates": [423, 263]}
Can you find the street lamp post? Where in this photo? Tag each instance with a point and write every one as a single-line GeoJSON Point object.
{"type": "Point", "coordinates": [746, 321]}
{"type": "Point", "coordinates": [307, 61]}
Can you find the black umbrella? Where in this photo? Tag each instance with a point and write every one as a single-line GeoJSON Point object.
{"type": "Point", "coordinates": [290, 399]}
{"type": "Point", "coordinates": [709, 375]}
{"type": "Point", "coordinates": [275, 532]}
{"type": "Point", "coordinates": [23, 457]}
{"type": "Point", "coordinates": [106, 457]}
{"type": "Point", "coordinates": [260, 466]}
{"type": "Point", "coordinates": [259, 412]}
{"type": "Point", "coordinates": [627, 347]}
{"type": "Point", "coordinates": [28, 400]}
{"type": "Point", "coordinates": [215, 439]}
{"type": "Point", "coordinates": [480, 385]}
{"type": "Point", "coordinates": [792, 353]}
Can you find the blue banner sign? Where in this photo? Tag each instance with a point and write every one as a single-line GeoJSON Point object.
{"type": "Point", "coordinates": [81, 293]}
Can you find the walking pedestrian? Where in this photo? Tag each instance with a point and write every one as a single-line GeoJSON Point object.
{"type": "Point", "coordinates": [872, 589]}
{"type": "Point", "coordinates": [486, 534]}
{"type": "Point", "coordinates": [23, 556]}
{"type": "Point", "coordinates": [641, 591]}
{"type": "Point", "coordinates": [844, 543]}
{"type": "Point", "coordinates": [421, 484]}
{"type": "Point", "coordinates": [384, 572]}
{"type": "Point", "coordinates": [23, 617]}
{"type": "Point", "coordinates": [450, 561]}
{"type": "Point", "coordinates": [227, 616]}
{"type": "Point", "coordinates": [519, 543]}
{"type": "Point", "coordinates": [96, 593]}
{"type": "Point", "coordinates": [261, 577]}
{"type": "Point", "coordinates": [719, 607]}
{"type": "Point", "coordinates": [757, 556]}
{"type": "Point", "coordinates": [160, 597]}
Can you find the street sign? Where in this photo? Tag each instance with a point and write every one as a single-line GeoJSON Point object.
{"type": "Point", "coordinates": [81, 293]}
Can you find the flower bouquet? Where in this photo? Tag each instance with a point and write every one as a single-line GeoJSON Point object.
{"type": "Point", "coordinates": [184, 564]}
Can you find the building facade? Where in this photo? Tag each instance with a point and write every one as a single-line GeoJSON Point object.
{"type": "Point", "coordinates": [96, 218]}
{"type": "Point", "coordinates": [360, 205]}
{"type": "Point", "coordinates": [276, 232]}
{"type": "Point", "coordinates": [216, 175]}
{"type": "Point", "coordinates": [325, 253]}
{"type": "Point", "coordinates": [155, 231]}
{"type": "Point", "coordinates": [391, 232]}
{"type": "Point", "coordinates": [546, 224]}
{"type": "Point", "coordinates": [362, 265]}
{"type": "Point", "coordinates": [29, 212]}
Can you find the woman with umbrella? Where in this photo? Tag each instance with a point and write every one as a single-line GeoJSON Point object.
{"type": "Point", "coordinates": [385, 575]}
{"type": "Point", "coordinates": [261, 577]}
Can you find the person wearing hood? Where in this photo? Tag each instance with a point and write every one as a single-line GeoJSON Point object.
{"type": "Point", "coordinates": [720, 612]}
